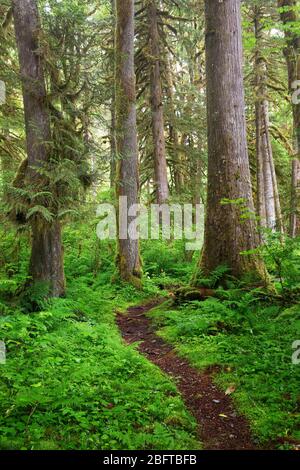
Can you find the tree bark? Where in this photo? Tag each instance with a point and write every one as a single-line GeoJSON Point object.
{"type": "Point", "coordinates": [128, 259]}
{"type": "Point", "coordinates": [292, 55]}
{"type": "Point", "coordinates": [268, 201]}
{"type": "Point", "coordinates": [278, 214]}
{"type": "Point", "coordinates": [174, 137]}
{"type": "Point", "coordinates": [46, 264]}
{"type": "Point", "coordinates": [261, 202]}
{"type": "Point", "coordinates": [113, 143]}
{"type": "Point", "coordinates": [227, 235]}
{"type": "Point", "coordinates": [158, 131]}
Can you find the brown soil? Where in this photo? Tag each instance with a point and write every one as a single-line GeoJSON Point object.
{"type": "Point", "coordinates": [220, 427]}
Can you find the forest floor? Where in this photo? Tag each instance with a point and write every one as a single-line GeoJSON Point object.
{"type": "Point", "coordinates": [220, 427]}
{"type": "Point", "coordinates": [189, 376]}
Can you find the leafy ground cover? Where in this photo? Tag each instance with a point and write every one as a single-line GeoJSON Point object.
{"type": "Point", "coordinates": [70, 382]}
{"type": "Point", "coordinates": [250, 342]}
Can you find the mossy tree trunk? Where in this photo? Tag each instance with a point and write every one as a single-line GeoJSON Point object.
{"type": "Point", "coordinates": [226, 233]}
{"type": "Point", "coordinates": [46, 264]}
{"type": "Point", "coordinates": [158, 125]}
{"type": "Point", "coordinates": [128, 259]}
{"type": "Point", "coordinates": [290, 17]}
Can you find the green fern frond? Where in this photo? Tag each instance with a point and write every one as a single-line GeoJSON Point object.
{"type": "Point", "coordinates": [42, 211]}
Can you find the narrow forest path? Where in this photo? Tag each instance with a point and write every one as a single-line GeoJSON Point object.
{"type": "Point", "coordinates": [219, 425]}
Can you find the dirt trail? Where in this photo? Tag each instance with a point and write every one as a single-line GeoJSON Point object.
{"type": "Point", "coordinates": [201, 396]}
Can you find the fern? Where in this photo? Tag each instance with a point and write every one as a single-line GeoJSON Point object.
{"type": "Point", "coordinates": [213, 280]}
{"type": "Point", "coordinates": [42, 211]}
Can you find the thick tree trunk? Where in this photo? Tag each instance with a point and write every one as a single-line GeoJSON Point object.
{"type": "Point", "coordinates": [160, 161]}
{"type": "Point", "coordinates": [46, 264]}
{"type": "Point", "coordinates": [227, 235]}
{"type": "Point", "coordinates": [126, 133]}
{"type": "Point", "coordinates": [292, 55]}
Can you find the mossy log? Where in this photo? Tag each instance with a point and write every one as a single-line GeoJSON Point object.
{"type": "Point", "coordinates": [188, 294]}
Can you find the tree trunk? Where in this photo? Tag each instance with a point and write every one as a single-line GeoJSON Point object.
{"type": "Point", "coordinates": [268, 202]}
{"type": "Point", "coordinates": [174, 137]}
{"type": "Point", "coordinates": [261, 203]}
{"type": "Point", "coordinates": [295, 219]}
{"type": "Point", "coordinates": [46, 264]}
{"type": "Point", "coordinates": [128, 259]}
{"type": "Point", "coordinates": [277, 217]}
{"type": "Point", "coordinates": [292, 55]}
{"type": "Point", "coordinates": [160, 161]}
{"type": "Point", "coordinates": [113, 143]}
{"type": "Point", "coordinates": [266, 193]}
{"type": "Point", "coordinates": [227, 235]}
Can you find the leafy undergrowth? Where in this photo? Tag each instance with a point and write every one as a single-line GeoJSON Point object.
{"type": "Point", "coordinates": [69, 381]}
{"type": "Point", "coordinates": [167, 265]}
{"type": "Point", "coordinates": [251, 342]}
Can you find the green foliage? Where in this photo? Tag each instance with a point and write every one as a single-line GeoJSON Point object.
{"type": "Point", "coordinates": [165, 262]}
{"type": "Point", "coordinates": [282, 255]}
{"type": "Point", "coordinates": [33, 297]}
{"type": "Point", "coordinates": [70, 382]}
{"type": "Point", "coordinates": [251, 341]}
{"type": "Point", "coordinates": [215, 278]}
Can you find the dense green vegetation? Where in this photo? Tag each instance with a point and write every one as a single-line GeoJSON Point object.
{"type": "Point", "coordinates": [112, 111]}
{"type": "Point", "coordinates": [249, 342]}
{"type": "Point", "coordinates": [69, 381]}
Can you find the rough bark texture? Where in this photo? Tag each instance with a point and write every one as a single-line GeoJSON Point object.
{"type": "Point", "coordinates": [46, 264]}
{"type": "Point", "coordinates": [226, 234]}
{"type": "Point", "coordinates": [160, 162]}
{"type": "Point", "coordinates": [292, 55]}
{"type": "Point", "coordinates": [126, 134]}
{"type": "Point", "coordinates": [268, 201]}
